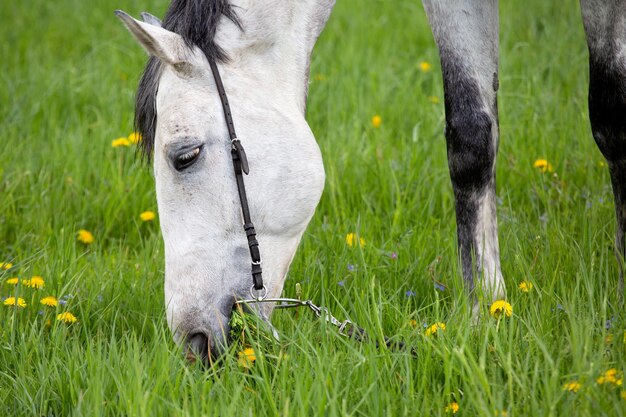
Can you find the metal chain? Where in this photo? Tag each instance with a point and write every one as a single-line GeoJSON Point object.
{"type": "Point", "coordinates": [320, 312]}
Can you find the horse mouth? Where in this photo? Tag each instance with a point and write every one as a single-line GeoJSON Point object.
{"type": "Point", "coordinates": [208, 346]}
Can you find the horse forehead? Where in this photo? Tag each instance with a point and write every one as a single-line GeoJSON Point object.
{"type": "Point", "coordinates": [181, 103]}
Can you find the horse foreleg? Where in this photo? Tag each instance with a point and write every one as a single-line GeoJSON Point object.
{"type": "Point", "coordinates": [605, 27]}
{"type": "Point", "coordinates": [466, 33]}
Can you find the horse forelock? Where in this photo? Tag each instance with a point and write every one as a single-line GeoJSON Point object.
{"type": "Point", "coordinates": [196, 21]}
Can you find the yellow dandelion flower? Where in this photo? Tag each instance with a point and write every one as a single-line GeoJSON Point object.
{"type": "Point", "coordinates": [147, 216]}
{"type": "Point", "coordinates": [67, 317]}
{"type": "Point", "coordinates": [612, 377]}
{"type": "Point", "coordinates": [377, 121]}
{"type": "Point", "coordinates": [572, 386]}
{"type": "Point", "coordinates": [453, 408]}
{"type": "Point", "coordinates": [543, 165]}
{"type": "Point", "coordinates": [6, 266]}
{"type": "Point", "coordinates": [85, 236]}
{"type": "Point", "coordinates": [49, 301]}
{"type": "Point", "coordinates": [116, 143]}
{"type": "Point", "coordinates": [525, 286]}
{"type": "Point", "coordinates": [424, 66]}
{"type": "Point", "coordinates": [413, 323]}
{"type": "Point", "coordinates": [500, 307]}
{"type": "Point", "coordinates": [433, 99]}
{"type": "Point", "coordinates": [435, 328]}
{"type": "Point", "coordinates": [12, 281]}
{"type": "Point", "coordinates": [608, 339]}
{"type": "Point", "coordinates": [351, 240]}
{"type": "Point", "coordinates": [11, 301]}
{"type": "Point", "coordinates": [246, 358]}
{"type": "Point", "coordinates": [35, 282]}
{"type": "Point", "coordinates": [134, 138]}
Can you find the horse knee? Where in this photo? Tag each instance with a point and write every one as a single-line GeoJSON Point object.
{"type": "Point", "coordinates": [471, 144]}
{"type": "Point", "coordinates": [607, 107]}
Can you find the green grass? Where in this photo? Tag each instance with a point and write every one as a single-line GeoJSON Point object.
{"type": "Point", "coordinates": [68, 75]}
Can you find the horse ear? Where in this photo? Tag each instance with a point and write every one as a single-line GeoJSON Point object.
{"type": "Point", "coordinates": [151, 19]}
{"type": "Point", "coordinates": [168, 46]}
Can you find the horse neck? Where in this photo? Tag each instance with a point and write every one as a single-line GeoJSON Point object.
{"type": "Point", "coordinates": [272, 52]}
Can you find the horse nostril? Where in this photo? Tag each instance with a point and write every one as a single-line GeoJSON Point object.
{"type": "Point", "coordinates": [197, 347]}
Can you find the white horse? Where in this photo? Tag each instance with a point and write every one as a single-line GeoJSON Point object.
{"type": "Point", "coordinates": [263, 57]}
{"type": "Point", "coordinates": [263, 50]}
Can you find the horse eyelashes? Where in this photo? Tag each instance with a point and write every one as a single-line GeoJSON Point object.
{"type": "Point", "coordinates": [185, 160]}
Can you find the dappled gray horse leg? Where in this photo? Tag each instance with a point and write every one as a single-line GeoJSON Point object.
{"type": "Point", "coordinates": [605, 26]}
{"type": "Point", "coordinates": [466, 33]}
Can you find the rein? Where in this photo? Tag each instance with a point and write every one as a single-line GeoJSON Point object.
{"type": "Point", "coordinates": [258, 291]}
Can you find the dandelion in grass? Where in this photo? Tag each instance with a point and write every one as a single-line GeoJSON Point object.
{"type": "Point", "coordinates": [451, 408]}
{"type": "Point", "coordinates": [413, 323]}
{"type": "Point", "coordinates": [435, 329]}
{"type": "Point", "coordinates": [377, 121]}
{"type": "Point", "coordinates": [85, 237]}
{"type": "Point", "coordinates": [525, 286]}
{"type": "Point", "coordinates": [5, 266]}
{"type": "Point", "coordinates": [12, 301]}
{"type": "Point", "coordinates": [35, 282]}
{"type": "Point", "coordinates": [572, 386]}
{"type": "Point", "coordinates": [424, 66]}
{"type": "Point", "coordinates": [147, 216]}
{"type": "Point", "coordinates": [119, 142]}
{"type": "Point", "coordinates": [49, 301]}
{"type": "Point", "coordinates": [12, 281]}
{"type": "Point", "coordinates": [543, 165]}
{"type": "Point", "coordinates": [351, 240]}
{"type": "Point", "coordinates": [611, 377]}
{"type": "Point", "coordinates": [67, 317]}
{"type": "Point", "coordinates": [608, 339]}
{"type": "Point", "coordinates": [500, 307]}
{"type": "Point", "coordinates": [134, 138]}
{"type": "Point", "coordinates": [433, 99]}
{"type": "Point", "coordinates": [246, 358]}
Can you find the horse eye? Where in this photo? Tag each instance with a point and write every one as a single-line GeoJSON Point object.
{"type": "Point", "coordinates": [187, 159]}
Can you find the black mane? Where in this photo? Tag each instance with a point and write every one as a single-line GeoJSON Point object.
{"type": "Point", "coordinates": [196, 21]}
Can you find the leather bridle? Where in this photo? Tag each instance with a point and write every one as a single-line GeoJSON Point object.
{"type": "Point", "coordinates": [240, 163]}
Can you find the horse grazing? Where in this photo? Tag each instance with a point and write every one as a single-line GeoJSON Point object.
{"type": "Point", "coordinates": [262, 49]}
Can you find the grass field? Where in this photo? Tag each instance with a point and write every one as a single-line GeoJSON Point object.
{"type": "Point", "coordinates": [68, 76]}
